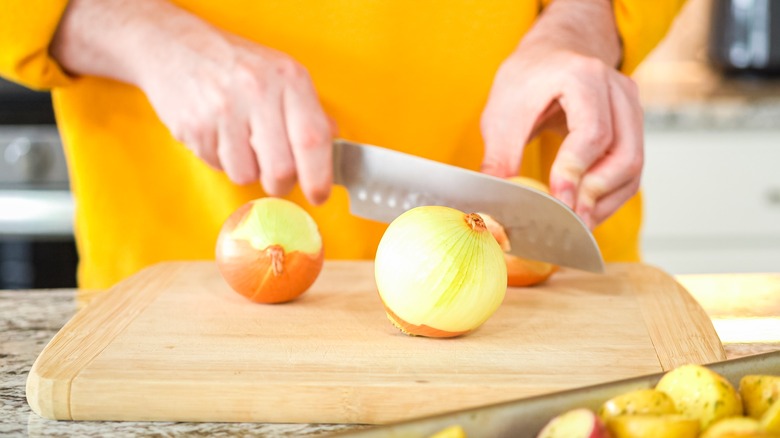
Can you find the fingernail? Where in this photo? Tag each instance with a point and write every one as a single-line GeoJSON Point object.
{"type": "Point", "coordinates": [567, 197]}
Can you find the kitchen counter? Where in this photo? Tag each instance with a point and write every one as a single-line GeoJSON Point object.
{"type": "Point", "coordinates": [680, 89]}
{"type": "Point", "coordinates": [745, 309]}
{"type": "Point", "coordinates": [691, 95]}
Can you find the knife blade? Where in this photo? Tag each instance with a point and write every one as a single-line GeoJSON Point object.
{"type": "Point", "coordinates": [383, 183]}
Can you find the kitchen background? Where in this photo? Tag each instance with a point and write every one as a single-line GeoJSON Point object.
{"type": "Point", "coordinates": [712, 171]}
{"type": "Point", "coordinates": [711, 180]}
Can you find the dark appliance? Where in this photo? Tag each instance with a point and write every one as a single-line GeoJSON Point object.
{"type": "Point", "coordinates": [37, 248]}
{"type": "Point", "coordinates": [745, 36]}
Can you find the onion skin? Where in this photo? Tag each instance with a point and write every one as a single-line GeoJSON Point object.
{"type": "Point", "coordinates": [419, 330]}
{"type": "Point", "coordinates": [521, 272]}
{"type": "Point", "coordinates": [268, 275]}
{"type": "Point", "coordinates": [439, 272]}
{"type": "Point", "coordinates": [524, 272]}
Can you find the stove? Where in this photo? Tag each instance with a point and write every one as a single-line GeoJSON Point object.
{"type": "Point", "coordinates": [37, 248]}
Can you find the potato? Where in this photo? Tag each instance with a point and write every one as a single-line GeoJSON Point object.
{"type": "Point", "coordinates": [732, 425]}
{"type": "Point", "coordinates": [701, 393]}
{"type": "Point", "coordinates": [454, 431]}
{"type": "Point", "coordinates": [770, 420]}
{"type": "Point", "coordinates": [640, 401]}
{"type": "Point", "coordinates": [653, 426]}
{"type": "Point", "coordinates": [758, 393]}
{"type": "Point", "coordinates": [576, 423]}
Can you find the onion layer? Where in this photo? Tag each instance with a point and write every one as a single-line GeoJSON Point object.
{"type": "Point", "coordinates": [521, 272]}
{"type": "Point", "coordinates": [439, 272]}
{"type": "Point", "coordinates": [270, 250]}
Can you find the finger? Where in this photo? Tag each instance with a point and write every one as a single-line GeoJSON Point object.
{"type": "Point", "coordinates": [610, 203]}
{"type": "Point", "coordinates": [270, 142]}
{"type": "Point", "coordinates": [199, 139]}
{"type": "Point", "coordinates": [234, 151]}
{"type": "Point", "coordinates": [310, 138]}
{"type": "Point", "coordinates": [506, 127]}
{"type": "Point", "coordinates": [587, 105]}
{"type": "Point", "coordinates": [625, 158]}
{"type": "Point", "coordinates": [207, 149]}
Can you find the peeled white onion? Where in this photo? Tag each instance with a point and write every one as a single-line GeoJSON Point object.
{"type": "Point", "coordinates": [439, 272]}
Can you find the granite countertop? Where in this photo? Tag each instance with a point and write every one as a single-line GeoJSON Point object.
{"type": "Point", "coordinates": [28, 320]}
{"type": "Point", "coordinates": [745, 309]}
{"type": "Point", "coordinates": [693, 95]}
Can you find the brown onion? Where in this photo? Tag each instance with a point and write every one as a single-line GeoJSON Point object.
{"type": "Point", "coordinates": [520, 271]}
{"type": "Point", "coordinates": [269, 250]}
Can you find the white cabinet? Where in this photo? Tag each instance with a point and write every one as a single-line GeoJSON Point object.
{"type": "Point", "coordinates": [712, 200]}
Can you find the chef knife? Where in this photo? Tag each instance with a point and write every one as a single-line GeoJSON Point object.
{"type": "Point", "coordinates": [383, 183]}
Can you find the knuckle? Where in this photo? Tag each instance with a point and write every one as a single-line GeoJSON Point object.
{"type": "Point", "coordinates": [258, 86]}
{"type": "Point", "coordinates": [312, 139]}
{"type": "Point", "coordinates": [247, 79]}
{"type": "Point", "coordinates": [599, 132]}
{"type": "Point", "coordinates": [635, 165]}
{"type": "Point", "coordinates": [591, 190]}
{"type": "Point", "coordinates": [289, 69]}
{"type": "Point", "coordinates": [630, 86]}
{"type": "Point", "coordinates": [567, 170]}
{"type": "Point", "coordinates": [220, 104]}
{"type": "Point", "coordinates": [586, 65]}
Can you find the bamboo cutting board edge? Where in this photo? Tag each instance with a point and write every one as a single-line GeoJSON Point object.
{"type": "Point", "coordinates": [73, 347]}
{"type": "Point", "coordinates": [700, 342]}
{"type": "Point", "coordinates": [81, 341]}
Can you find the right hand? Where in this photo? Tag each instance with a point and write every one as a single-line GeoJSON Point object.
{"type": "Point", "coordinates": [246, 109]}
{"type": "Point", "coordinates": [243, 108]}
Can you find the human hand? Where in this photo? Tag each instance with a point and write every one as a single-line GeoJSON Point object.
{"type": "Point", "coordinates": [243, 108]}
{"type": "Point", "coordinates": [248, 110]}
{"type": "Point", "coordinates": [557, 82]}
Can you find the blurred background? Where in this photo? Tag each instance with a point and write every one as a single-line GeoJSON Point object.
{"type": "Point", "coordinates": [711, 96]}
{"type": "Point", "coordinates": [37, 249]}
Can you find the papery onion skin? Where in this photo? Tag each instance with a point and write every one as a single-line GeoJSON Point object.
{"type": "Point", "coordinates": [439, 272]}
{"type": "Point", "coordinates": [521, 272]}
{"type": "Point", "coordinates": [419, 330]}
{"type": "Point", "coordinates": [279, 271]}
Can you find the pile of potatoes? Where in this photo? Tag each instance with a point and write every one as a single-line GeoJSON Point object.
{"type": "Point", "coordinates": [688, 401]}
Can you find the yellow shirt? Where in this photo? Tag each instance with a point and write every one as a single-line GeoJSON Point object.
{"type": "Point", "coordinates": [405, 74]}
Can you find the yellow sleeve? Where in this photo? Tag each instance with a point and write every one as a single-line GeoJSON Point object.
{"type": "Point", "coordinates": [26, 30]}
{"type": "Point", "coordinates": [641, 24]}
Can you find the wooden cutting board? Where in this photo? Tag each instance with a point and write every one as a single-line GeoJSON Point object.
{"type": "Point", "coordinates": [174, 343]}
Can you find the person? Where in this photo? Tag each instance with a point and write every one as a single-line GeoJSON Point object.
{"type": "Point", "coordinates": [173, 114]}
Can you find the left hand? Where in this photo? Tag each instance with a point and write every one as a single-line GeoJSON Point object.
{"type": "Point", "coordinates": [558, 82]}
